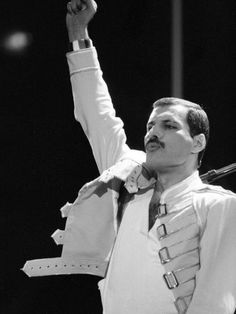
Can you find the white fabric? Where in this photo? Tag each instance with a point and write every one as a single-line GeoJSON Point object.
{"type": "Point", "coordinates": [103, 129]}
{"type": "Point", "coordinates": [215, 291]}
{"type": "Point", "coordinates": [134, 283]}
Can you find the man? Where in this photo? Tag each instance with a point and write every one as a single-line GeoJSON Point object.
{"type": "Point", "coordinates": [167, 243]}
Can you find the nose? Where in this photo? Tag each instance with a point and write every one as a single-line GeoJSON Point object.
{"type": "Point", "coordinates": [148, 135]}
{"type": "Point", "coordinates": [154, 131]}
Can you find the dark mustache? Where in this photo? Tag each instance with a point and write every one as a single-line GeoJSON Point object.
{"type": "Point", "coordinates": [155, 139]}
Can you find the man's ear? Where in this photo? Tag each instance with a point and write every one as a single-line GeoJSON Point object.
{"type": "Point", "coordinates": [199, 143]}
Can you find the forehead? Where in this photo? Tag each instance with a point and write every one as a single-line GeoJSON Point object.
{"type": "Point", "coordinates": [174, 112]}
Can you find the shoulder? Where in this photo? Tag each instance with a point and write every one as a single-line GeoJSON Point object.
{"type": "Point", "coordinates": [214, 200]}
{"type": "Point", "coordinates": [214, 192]}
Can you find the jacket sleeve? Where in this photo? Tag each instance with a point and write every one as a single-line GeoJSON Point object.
{"type": "Point", "coordinates": [94, 110]}
{"type": "Point", "coordinates": [215, 291]}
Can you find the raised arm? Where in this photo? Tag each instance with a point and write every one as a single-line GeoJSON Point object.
{"type": "Point", "coordinates": [93, 105]}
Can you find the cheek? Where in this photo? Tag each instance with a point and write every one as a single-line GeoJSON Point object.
{"type": "Point", "coordinates": [145, 138]}
{"type": "Point", "coordinates": [181, 146]}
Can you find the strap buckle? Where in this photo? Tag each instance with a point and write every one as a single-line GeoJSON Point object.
{"type": "Point", "coordinates": [161, 231]}
{"type": "Point", "coordinates": [164, 255]}
{"type": "Point", "coordinates": [171, 280]}
{"type": "Point", "coordinates": [161, 210]}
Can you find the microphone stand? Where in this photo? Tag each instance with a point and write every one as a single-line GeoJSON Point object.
{"type": "Point", "coordinates": [213, 174]}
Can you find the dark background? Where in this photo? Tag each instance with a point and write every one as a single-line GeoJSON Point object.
{"type": "Point", "coordinates": [46, 157]}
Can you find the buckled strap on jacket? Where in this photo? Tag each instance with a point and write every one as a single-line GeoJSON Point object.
{"type": "Point", "coordinates": [165, 230]}
{"type": "Point", "coordinates": [166, 254]}
{"type": "Point", "coordinates": [176, 277]}
{"type": "Point", "coordinates": [161, 210]}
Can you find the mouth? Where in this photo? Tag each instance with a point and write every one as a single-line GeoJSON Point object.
{"type": "Point", "coordinates": [152, 146]}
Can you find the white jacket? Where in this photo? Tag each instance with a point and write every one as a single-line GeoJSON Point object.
{"type": "Point", "coordinates": [91, 220]}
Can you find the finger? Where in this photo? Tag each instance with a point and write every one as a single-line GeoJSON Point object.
{"type": "Point", "coordinates": [76, 6]}
{"type": "Point", "coordinates": [69, 9]}
{"type": "Point", "coordinates": [82, 6]}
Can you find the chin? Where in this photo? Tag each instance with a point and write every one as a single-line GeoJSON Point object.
{"type": "Point", "coordinates": [152, 165]}
{"type": "Point", "coordinates": [155, 166]}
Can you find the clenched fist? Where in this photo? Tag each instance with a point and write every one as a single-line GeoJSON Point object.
{"type": "Point", "coordinates": [79, 14]}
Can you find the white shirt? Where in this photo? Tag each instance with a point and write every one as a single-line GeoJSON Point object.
{"type": "Point", "coordinates": [134, 283]}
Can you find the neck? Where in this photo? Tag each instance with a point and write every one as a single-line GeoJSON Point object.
{"type": "Point", "coordinates": [170, 177]}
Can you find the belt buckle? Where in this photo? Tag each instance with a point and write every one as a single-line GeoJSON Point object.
{"type": "Point", "coordinates": [161, 210]}
{"type": "Point", "coordinates": [171, 280]}
{"type": "Point", "coordinates": [161, 231]}
{"type": "Point", "coordinates": [164, 255]}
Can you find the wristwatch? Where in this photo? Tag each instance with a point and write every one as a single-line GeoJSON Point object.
{"type": "Point", "coordinates": [77, 45]}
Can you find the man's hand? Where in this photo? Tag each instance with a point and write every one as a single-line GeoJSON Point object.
{"type": "Point", "coordinates": [79, 14]}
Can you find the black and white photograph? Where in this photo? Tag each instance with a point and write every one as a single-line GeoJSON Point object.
{"type": "Point", "coordinates": [118, 157]}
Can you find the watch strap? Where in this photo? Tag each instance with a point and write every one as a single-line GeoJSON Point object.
{"type": "Point", "coordinates": [77, 45]}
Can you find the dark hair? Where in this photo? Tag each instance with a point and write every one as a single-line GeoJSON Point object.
{"type": "Point", "coordinates": [196, 118]}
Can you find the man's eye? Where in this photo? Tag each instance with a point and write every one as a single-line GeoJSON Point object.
{"type": "Point", "coordinates": [170, 126]}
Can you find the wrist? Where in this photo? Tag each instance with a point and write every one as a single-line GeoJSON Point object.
{"type": "Point", "coordinates": [79, 34]}
{"type": "Point", "coordinates": [77, 45]}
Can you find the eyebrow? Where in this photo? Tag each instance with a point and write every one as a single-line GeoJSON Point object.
{"type": "Point", "coordinates": [150, 123]}
{"type": "Point", "coordinates": [165, 120]}
{"type": "Point", "coordinates": [170, 120]}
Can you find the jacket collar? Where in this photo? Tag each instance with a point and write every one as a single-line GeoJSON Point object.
{"type": "Point", "coordinates": [175, 191]}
